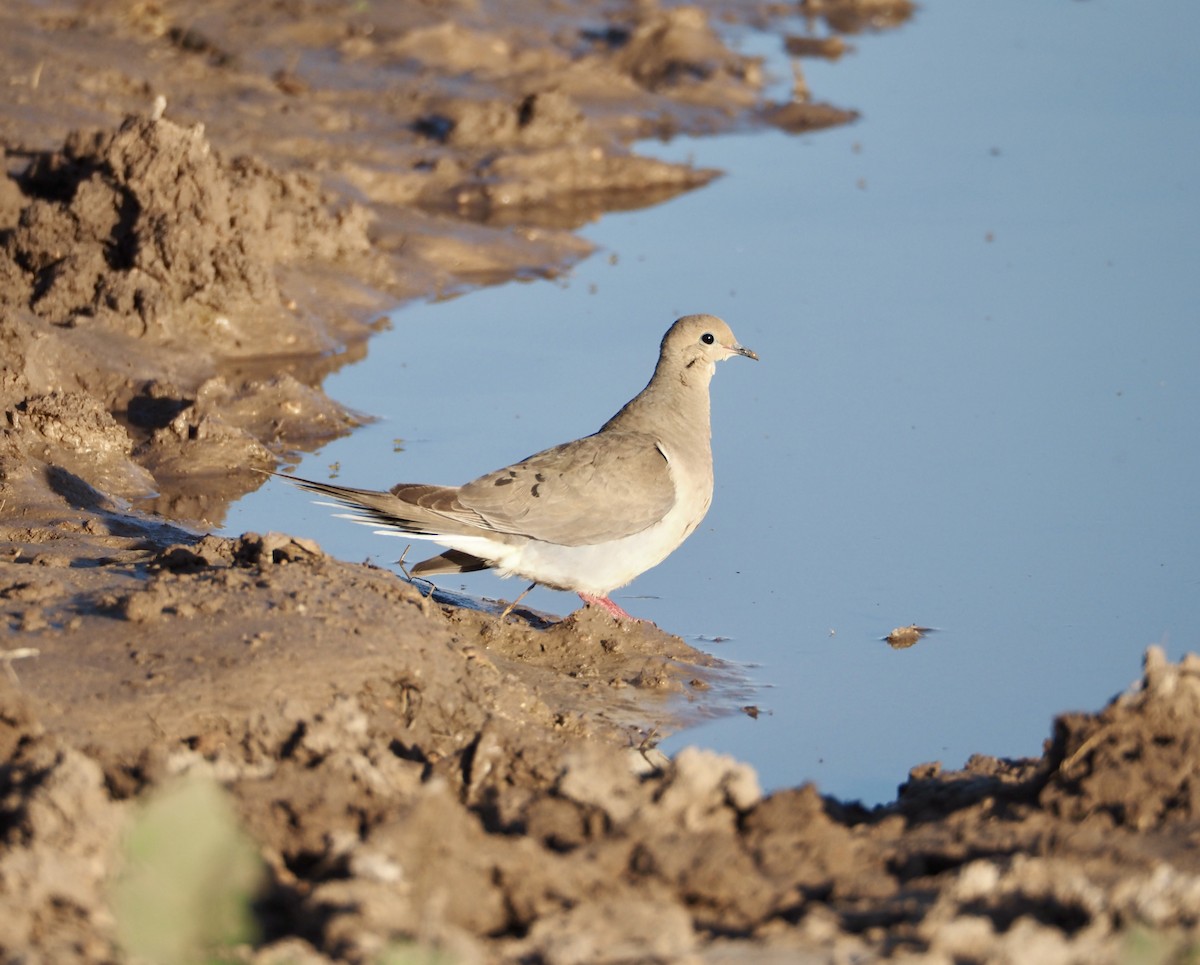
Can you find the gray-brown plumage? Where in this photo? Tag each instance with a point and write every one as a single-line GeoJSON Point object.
{"type": "Point", "coordinates": [588, 515]}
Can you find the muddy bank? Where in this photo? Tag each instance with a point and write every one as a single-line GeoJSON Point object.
{"type": "Point", "coordinates": [412, 772]}
{"type": "Point", "coordinates": [205, 209]}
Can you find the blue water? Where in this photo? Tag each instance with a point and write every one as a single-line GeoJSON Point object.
{"type": "Point", "coordinates": [978, 405]}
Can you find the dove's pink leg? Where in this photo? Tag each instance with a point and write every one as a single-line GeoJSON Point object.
{"type": "Point", "coordinates": [607, 604]}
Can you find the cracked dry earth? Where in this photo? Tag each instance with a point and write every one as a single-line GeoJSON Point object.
{"type": "Point", "coordinates": [177, 277]}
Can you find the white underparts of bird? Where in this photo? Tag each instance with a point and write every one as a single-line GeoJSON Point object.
{"type": "Point", "coordinates": [587, 516]}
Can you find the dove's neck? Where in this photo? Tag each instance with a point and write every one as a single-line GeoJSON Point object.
{"type": "Point", "coordinates": [674, 406]}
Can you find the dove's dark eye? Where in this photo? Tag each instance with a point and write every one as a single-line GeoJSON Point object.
{"type": "Point", "coordinates": [707, 338]}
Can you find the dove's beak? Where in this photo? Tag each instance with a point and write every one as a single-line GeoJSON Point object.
{"type": "Point", "coordinates": [742, 350]}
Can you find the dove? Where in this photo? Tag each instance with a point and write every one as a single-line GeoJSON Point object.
{"type": "Point", "coordinates": [586, 516]}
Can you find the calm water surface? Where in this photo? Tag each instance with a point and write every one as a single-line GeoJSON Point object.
{"type": "Point", "coordinates": [978, 405]}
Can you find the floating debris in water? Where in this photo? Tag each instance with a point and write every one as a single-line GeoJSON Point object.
{"type": "Point", "coordinates": [903, 637]}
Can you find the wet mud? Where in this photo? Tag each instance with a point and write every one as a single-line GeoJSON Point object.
{"type": "Point", "coordinates": [205, 208]}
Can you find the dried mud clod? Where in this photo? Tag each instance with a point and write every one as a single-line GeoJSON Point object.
{"type": "Point", "coordinates": [1134, 763]}
{"type": "Point", "coordinates": [139, 265]}
{"type": "Point", "coordinates": [859, 16]}
{"type": "Point", "coordinates": [147, 231]}
{"type": "Point", "coordinates": [59, 834]}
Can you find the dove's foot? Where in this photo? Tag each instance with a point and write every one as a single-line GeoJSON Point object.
{"type": "Point", "coordinates": [605, 603]}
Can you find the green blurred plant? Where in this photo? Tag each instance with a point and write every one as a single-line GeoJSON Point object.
{"type": "Point", "coordinates": [189, 878]}
{"type": "Point", "coordinates": [410, 953]}
{"type": "Point", "coordinates": [1145, 946]}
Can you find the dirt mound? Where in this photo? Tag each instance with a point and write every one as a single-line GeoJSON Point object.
{"type": "Point", "coordinates": [148, 232]}
{"type": "Point", "coordinates": [141, 265]}
{"type": "Point", "coordinates": [59, 831]}
{"type": "Point", "coordinates": [365, 733]}
{"type": "Point", "coordinates": [415, 780]}
{"type": "Point", "coordinates": [1135, 762]}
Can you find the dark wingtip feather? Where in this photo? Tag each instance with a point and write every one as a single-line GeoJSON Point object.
{"type": "Point", "coordinates": [451, 561]}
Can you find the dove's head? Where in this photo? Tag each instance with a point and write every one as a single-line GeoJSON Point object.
{"type": "Point", "coordinates": [696, 339]}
